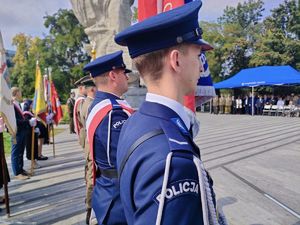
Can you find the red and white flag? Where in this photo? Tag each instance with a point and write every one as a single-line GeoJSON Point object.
{"type": "Point", "coordinates": [6, 105]}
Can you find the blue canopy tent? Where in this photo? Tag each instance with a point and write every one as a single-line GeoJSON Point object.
{"type": "Point", "coordinates": [261, 76]}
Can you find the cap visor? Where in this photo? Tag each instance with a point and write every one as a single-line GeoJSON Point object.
{"type": "Point", "coordinates": [127, 71]}
{"type": "Point", "coordinates": [205, 45]}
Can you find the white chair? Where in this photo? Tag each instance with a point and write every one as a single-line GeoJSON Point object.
{"type": "Point", "coordinates": [266, 110]}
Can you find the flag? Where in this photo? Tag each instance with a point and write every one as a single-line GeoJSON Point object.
{"type": "Point", "coordinates": [6, 105]}
{"type": "Point", "coordinates": [205, 89]}
{"type": "Point", "coordinates": [55, 104]}
{"type": "Point", "coordinates": [39, 104]}
{"type": "Point", "coordinates": [147, 8]}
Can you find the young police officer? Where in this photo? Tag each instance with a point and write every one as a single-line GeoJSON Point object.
{"type": "Point", "coordinates": [162, 179]}
{"type": "Point", "coordinates": [105, 120]}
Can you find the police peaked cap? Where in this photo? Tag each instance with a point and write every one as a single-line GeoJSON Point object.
{"type": "Point", "coordinates": [81, 81]}
{"type": "Point", "coordinates": [164, 30]}
{"type": "Point", "coordinates": [105, 64]}
{"type": "Point", "coordinates": [88, 82]}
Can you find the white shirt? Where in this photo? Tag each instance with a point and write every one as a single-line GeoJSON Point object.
{"type": "Point", "coordinates": [172, 104]}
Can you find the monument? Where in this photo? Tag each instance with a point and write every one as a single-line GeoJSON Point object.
{"type": "Point", "coordinates": [102, 20]}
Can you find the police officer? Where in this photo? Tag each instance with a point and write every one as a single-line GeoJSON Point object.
{"type": "Point", "coordinates": [162, 179]}
{"type": "Point", "coordinates": [78, 123]}
{"type": "Point", "coordinates": [108, 112]}
{"type": "Point", "coordinates": [90, 91]}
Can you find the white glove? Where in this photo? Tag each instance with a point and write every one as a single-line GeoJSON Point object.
{"type": "Point", "coordinates": [37, 130]}
{"type": "Point", "coordinates": [1, 125]}
{"type": "Point", "coordinates": [49, 118]}
{"type": "Point", "coordinates": [32, 122]}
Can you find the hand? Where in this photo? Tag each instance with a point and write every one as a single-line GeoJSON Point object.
{"type": "Point", "coordinates": [1, 125]}
{"type": "Point", "coordinates": [37, 130]}
{"type": "Point", "coordinates": [33, 122]}
{"type": "Point", "coordinates": [49, 118]}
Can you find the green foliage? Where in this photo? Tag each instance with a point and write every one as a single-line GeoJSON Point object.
{"type": "Point", "coordinates": [62, 50]}
{"type": "Point", "coordinates": [7, 143]}
{"type": "Point", "coordinates": [66, 117]}
{"type": "Point", "coordinates": [134, 18]}
{"type": "Point", "coordinates": [279, 41]}
{"type": "Point", "coordinates": [242, 39]}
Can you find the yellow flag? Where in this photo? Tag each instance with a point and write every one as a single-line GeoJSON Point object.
{"type": "Point", "coordinates": [39, 104]}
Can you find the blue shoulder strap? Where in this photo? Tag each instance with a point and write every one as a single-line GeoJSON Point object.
{"type": "Point", "coordinates": [136, 144]}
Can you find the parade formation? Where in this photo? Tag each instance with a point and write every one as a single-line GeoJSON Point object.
{"type": "Point", "coordinates": [141, 166]}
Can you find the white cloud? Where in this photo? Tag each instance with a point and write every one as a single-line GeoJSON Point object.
{"type": "Point", "coordinates": [26, 16]}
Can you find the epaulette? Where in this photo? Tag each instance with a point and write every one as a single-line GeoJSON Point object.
{"type": "Point", "coordinates": [176, 139]}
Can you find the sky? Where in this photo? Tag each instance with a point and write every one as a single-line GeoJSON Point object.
{"type": "Point", "coordinates": [26, 16]}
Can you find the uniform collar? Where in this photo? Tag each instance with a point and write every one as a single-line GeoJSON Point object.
{"type": "Point", "coordinates": [172, 104]}
{"type": "Point", "coordinates": [105, 95]}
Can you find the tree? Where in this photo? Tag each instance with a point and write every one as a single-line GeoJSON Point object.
{"type": "Point", "coordinates": [279, 41]}
{"type": "Point", "coordinates": [62, 50]}
{"type": "Point", "coordinates": [66, 54]}
{"type": "Point", "coordinates": [233, 37]}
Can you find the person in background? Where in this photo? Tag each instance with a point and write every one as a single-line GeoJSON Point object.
{"type": "Point", "coordinates": [221, 104]}
{"type": "Point", "coordinates": [233, 105]}
{"type": "Point", "coordinates": [18, 147]}
{"type": "Point", "coordinates": [88, 170]}
{"type": "Point", "coordinates": [27, 112]}
{"type": "Point", "coordinates": [259, 105]}
{"type": "Point", "coordinates": [239, 105]}
{"type": "Point", "coordinates": [216, 104]}
{"type": "Point", "coordinates": [70, 104]}
{"type": "Point", "coordinates": [228, 104]}
{"type": "Point", "coordinates": [78, 123]}
{"type": "Point", "coordinates": [280, 103]}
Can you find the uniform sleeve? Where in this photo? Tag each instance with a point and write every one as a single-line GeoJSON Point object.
{"type": "Point", "coordinates": [118, 118]}
{"type": "Point", "coordinates": [22, 122]}
{"type": "Point", "coordinates": [183, 199]}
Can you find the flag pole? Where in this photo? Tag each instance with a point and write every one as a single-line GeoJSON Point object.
{"type": "Point", "coordinates": [32, 151]}
{"type": "Point", "coordinates": [4, 174]}
{"type": "Point", "coordinates": [51, 126]}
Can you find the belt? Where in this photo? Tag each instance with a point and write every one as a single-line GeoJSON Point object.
{"type": "Point", "coordinates": [109, 173]}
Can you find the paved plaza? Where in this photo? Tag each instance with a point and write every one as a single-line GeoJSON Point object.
{"type": "Point", "coordinates": [254, 161]}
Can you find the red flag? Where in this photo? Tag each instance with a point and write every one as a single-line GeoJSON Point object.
{"type": "Point", "coordinates": [146, 8]}
{"type": "Point", "coordinates": [55, 104]}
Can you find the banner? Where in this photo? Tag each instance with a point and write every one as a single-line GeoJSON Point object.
{"type": "Point", "coordinates": [6, 106]}
{"type": "Point", "coordinates": [39, 105]}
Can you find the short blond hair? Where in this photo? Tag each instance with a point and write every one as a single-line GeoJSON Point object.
{"type": "Point", "coordinates": [101, 80]}
{"type": "Point", "coordinates": [152, 63]}
{"type": "Point", "coordinates": [14, 91]}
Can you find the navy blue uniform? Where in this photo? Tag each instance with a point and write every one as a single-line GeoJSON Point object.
{"type": "Point", "coordinates": [142, 176]}
{"type": "Point", "coordinates": [106, 199]}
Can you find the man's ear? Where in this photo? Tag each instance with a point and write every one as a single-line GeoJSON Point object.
{"type": "Point", "coordinates": [112, 75]}
{"type": "Point", "coordinates": [174, 58]}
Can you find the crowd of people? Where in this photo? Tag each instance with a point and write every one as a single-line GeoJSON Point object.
{"type": "Point", "coordinates": [262, 104]}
